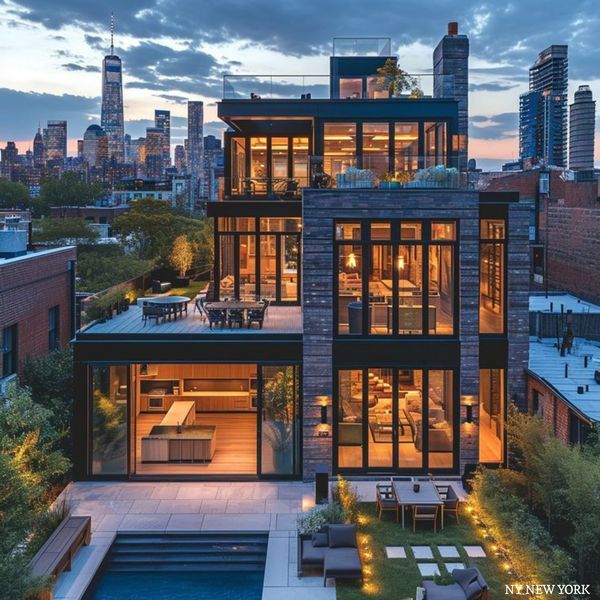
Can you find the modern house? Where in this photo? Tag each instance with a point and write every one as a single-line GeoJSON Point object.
{"type": "Point", "coordinates": [397, 328]}
{"type": "Point", "coordinates": [37, 297]}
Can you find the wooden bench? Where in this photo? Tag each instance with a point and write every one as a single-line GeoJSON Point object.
{"type": "Point", "coordinates": [56, 555]}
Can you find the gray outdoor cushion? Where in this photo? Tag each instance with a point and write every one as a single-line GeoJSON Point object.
{"type": "Point", "coordinates": [342, 536]}
{"type": "Point", "coordinates": [342, 562]}
{"type": "Point", "coordinates": [473, 590]}
{"type": "Point", "coordinates": [320, 540]}
{"type": "Point", "coordinates": [312, 555]}
{"type": "Point", "coordinates": [443, 592]}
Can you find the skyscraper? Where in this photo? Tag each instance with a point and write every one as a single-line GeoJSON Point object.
{"type": "Point", "coordinates": [154, 153]}
{"type": "Point", "coordinates": [195, 153]}
{"type": "Point", "coordinates": [55, 142]}
{"type": "Point", "coordinates": [38, 150]}
{"type": "Point", "coordinates": [543, 110]}
{"type": "Point", "coordinates": [112, 101]}
{"type": "Point", "coordinates": [180, 159]}
{"type": "Point", "coordinates": [213, 167]}
{"type": "Point", "coordinates": [95, 146]}
{"type": "Point", "coordinates": [162, 120]}
{"type": "Point", "coordinates": [582, 122]}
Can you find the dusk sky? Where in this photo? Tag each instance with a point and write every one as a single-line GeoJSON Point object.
{"type": "Point", "coordinates": [173, 50]}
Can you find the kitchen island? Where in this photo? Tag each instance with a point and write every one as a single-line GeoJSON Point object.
{"type": "Point", "coordinates": [170, 443]}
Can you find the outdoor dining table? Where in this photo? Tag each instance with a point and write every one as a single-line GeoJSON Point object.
{"type": "Point", "coordinates": [171, 304]}
{"type": "Point", "coordinates": [427, 495]}
{"type": "Point", "coordinates": [235, 305]}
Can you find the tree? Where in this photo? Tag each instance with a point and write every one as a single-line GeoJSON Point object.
{"type": "Point", "coordinates": [68, 190]}
{"type": "Point", "coordinates": [64, 231]}
{"type": "Point", "coordinates": [14, 195]}
{"type": "Point", "coordinates": [394, 80]}
{"type": "Point", "coordinates": [182, 255]}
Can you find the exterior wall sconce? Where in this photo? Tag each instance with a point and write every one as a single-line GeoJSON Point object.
{"type": "Point", "coordinates": [468, 402]}
{"type": "Point", "coordinates": [323, 428]}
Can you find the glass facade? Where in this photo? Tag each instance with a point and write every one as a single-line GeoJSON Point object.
{"type": "Point", "coordinates": [396, 260]}
{"type": "Point", "coordinates": [492, 410]}
{"type": "Point", "coordinates": [375, 148]}
{"type": "Point", "coordinates": [492, 276]}
{"type": "Point", "coordinates": [339, 150]}
{"type": "Point", "coordinates": [379, 419]}
{"type": "Point", "coordinates": [110, 392]}
{"type": "Point", "coordinates": [406, 147]}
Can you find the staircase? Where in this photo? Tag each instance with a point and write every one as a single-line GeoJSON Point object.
{"type": "Point", "coordinates": [187, 552]}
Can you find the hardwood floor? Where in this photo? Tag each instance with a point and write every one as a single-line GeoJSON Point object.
{"type": "Point", "coordinates": [236, 446]}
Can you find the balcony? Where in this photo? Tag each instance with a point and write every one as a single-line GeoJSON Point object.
{"type": "Point", "coordinates": [350, 171]}
{"type": "Point", "coordinates": [323, 87]}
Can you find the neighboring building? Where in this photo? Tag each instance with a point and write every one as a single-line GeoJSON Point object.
{"type": "Point", "coordinates": [180, 160]}
{"type": "Point", "coordinates": [195, 149]}
{"type": "Point", "coordinates": [564, 388]}
{"type": "Point", "coordinates": [9, 160]}
{"type": "Point", "coordinates": [37, 292]}
{"type": "Point", "coordinates": [397, 325]}
{"type": "Point", "coordinates": [543, 110]}
{"type": "Point", "coordinates": [112, 102]}
{"type": "Point", "coordinates": [55, 143]}
{"type": "Point", "coordinates": [162, 121]}
{"type": "Point", "coordinates": [154, 153]}
{"type": "Point", "coordinates": [564, 224]}
{"type": "Point", "coordinates": [176, 189]}
{"type": "Point", "coordinates": [213, 167]}
{"type": "Point", "coordinates": [582, 125]}
{"type": "Point", "coordinates": [38, 150]}
{"type": "Point", "coordinates": [95, 147]}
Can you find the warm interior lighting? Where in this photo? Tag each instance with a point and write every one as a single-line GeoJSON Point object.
{"type": "Point", "coordinates": [351, 260]}
{"type": "Point", "coordinates": [337, 138]}
{"type": "Point", "coordinates": [406, 137]}
{"type": "Point", "coordinates": [400, 262]}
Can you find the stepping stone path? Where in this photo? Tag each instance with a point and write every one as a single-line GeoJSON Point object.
{"type": "Point", "coordinates": [475, 551]}
{"type": "Point", "coordinates": [395, 552]}
{"type": "Point", "coordinates": [423, 552]}
{"type": "Point", "coordinates": [428, 569]}
{"type": "Point", "coordinates": [451, 566]}
{"type": "Point", "coordinates": [448, 552]}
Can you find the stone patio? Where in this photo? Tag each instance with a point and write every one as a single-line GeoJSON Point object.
{"type": "Point", "coordinates": [205, 506]}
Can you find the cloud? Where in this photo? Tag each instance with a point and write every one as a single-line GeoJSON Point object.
{"type": "Point", "coordinates": [175, 99]}
{"type": "Point", "coordinates": [492, 86]}
{"type": "Point", "coordinates": [497, 127]}
{"type": "Point", "coordinates": [76, 67]}
{"type": "Point", "coordinates": [26, 109]}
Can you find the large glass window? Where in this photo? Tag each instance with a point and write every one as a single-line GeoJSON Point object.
{"type": "Point", "coordinates": [351, 89]}
{"type": "Point", "coordinates": [491, 415]}
{"type": "Point", "coordinates": [380, 289]}
{"type": "Point", "coordinates": [300, 160]}
{"type": "Point", "coordinates": [258, 165]}
{"type": "Point", "coordinates": [350, 419]}
{"type": "Point", "coordinates": [279, 422]}
{"type": "Point", "coordinates": [380, 416]}
{"type": "Point", "coordinates": [406, 147]}
{"type": "Point", "coordinates": [268, 266]}
{"type": "Point", "coordinates": [10, 359]}
{"type": "Point", "coordinates": [435, 144]}
{"type": "Point", "coordinates": [441, 419]}
{"type": "Point", "coordinates": [441, 289]}
{"type": "Point", "coordinates": [110, 390]}
{"type": "Point", "coordinates": [247, 257]}
{"type": "Point", "coordinates": [238, 166]}
{"type": "Point", "coordinates": [410, 419]}
{"type": "Point", "coordinates": [410, 289]}
{"type": "Point", "coordinates": [279, 157]}
{"type": "Point", "coordinates": [290, 257]}
{"type": "Point", "coordinates": [227, 266]}
{"type": "Point", "coordinates": [339, 149]}
{"type": "Point", "coordinates": [376, 145]}
{"type": "Point", "coordinates": [350, 289]}
{"type": "Point", "coordinates": [54, 328]}
{"type": "Point", "coordinates": [491, 276]}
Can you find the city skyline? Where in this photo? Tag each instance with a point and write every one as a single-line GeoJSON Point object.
{"type": "Point", "coordinates": [178, 64]}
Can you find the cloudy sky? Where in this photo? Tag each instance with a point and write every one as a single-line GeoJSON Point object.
{"type": "Point", "coordinates": [172, 50]}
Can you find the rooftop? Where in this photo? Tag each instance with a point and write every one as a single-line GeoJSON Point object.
{"type": "Point", "coordinates": [279, 320]}
{"type": "Point", "coordinates": [546, 364]}
{"type": "Point", "coordinates": [29, 255]}
{"type": "Point", "coordinates": [560, 303]}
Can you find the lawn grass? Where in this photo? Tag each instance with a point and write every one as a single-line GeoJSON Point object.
{"type": "Point", "coordinates": [397, 579]}
{"type": "Point", "coordinates": [190, 291]}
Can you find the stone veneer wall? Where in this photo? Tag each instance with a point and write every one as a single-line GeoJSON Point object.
{"type": "Point", "coordinates": [320, 209]}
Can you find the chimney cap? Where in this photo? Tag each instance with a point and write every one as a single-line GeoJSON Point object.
{"type": "Point", "coordinates": [453, 28]}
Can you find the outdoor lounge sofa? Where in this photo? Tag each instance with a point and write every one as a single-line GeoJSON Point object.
{"type": "Point", "coordinates": [333, 550]}
{"type": "Point", "coordinates": [468, 584]}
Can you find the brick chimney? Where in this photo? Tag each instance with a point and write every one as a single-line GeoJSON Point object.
{"type": "Point", "coordinates": [452, 28]}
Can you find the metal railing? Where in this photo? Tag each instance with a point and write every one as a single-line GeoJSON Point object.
{"type": "Point", "coordinates": [322, 87]}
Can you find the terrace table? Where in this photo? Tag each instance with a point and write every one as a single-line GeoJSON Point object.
{"type": "Point", "coordinates": [427, 495]}
{"type": "Point", "coordinates": [235, 305]}
{"type": "Point", "coordinates": [171, 304]}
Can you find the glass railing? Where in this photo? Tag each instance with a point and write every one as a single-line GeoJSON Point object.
{"type": "Point", "coordinates": [362, 46]}
{"type": "Point", "coordinates": [350, 172]}
{"type": "Point", "coordinates": [322, 87]}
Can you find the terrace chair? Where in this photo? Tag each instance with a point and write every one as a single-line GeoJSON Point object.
{"type": "Point", "coordinates": [452, 503]}
{"type": "Point", "coordinates": [150, 312]}
{"type": "Point", "coordinates": [216, 316]}
{"type": "Point", "coordinates": [199, 306]}
{"type": "Point", "coordinates": [386, 499]}
{"type": "Point", "coordinates": [235, 317]}
{"type": "Point", "coordinates": [425, 512]}
{"type": "Point", "coordinates": [257, 315]}
{"type": "Point", "coordinates": [266, 302]}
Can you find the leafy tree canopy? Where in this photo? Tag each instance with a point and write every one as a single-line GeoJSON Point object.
{"type": "Point", "coordinates": [14, 195]}
{"type": "Point", "coordinates": [68, 190]}
{"type": "Point", "coordinates": [61, 231]}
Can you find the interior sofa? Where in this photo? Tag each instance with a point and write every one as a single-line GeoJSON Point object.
{"type": "Point", "coordinates": [333, 550]}
{"type": "Point", "coordinates": [468, 584]}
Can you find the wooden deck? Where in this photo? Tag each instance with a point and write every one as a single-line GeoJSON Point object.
{"type": "Point", "coordinates": [279, 319]}
{"type": "Point", "coordinates": [236, 446]}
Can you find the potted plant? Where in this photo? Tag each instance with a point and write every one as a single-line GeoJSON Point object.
{"type": "Point", "coordinates": [394, 80]}
{"type": "Point", "coordinates": [389, 182]}
{"type": "Point", "coordinates": [181, 258]}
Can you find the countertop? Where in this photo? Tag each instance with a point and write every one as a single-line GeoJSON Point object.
{"type": "Point", "coordinates": [190, 432]}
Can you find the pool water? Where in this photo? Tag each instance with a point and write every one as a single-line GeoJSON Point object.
{"type": "Point", "coordinates": [180, 586]}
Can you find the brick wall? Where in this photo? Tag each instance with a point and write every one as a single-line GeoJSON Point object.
{"type": "Point", "coordinates": [29, 287]}
{"type": "Point", "coordinates": [554, 410]}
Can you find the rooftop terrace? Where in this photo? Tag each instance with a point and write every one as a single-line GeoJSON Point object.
{"type": "Point", "coordinates": [557, 303]}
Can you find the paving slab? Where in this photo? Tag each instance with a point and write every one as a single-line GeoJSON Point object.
{"type": "Point", "coordinates": [144, 522]}
{"type": "Point", "coordinates": [395, 552]}
{"type": "Point", "coordinates": [450, 566]}
{"type": "Point", "coordinates": [428, 569]}
{"type": "Point", "coordinates": [299, 593]}
{"type": "Point", "coordinates": [197, 493]}
{"type": "Point", "coordinates": [422, 552]}
{"type": "Point", "coordinates": [475, 551]}
{"type": "Point", "coordinates": [183, 522]}
{"type": "Point", "coordinates": [448, 551]}
{"type": "Point", "coordinates": [232, 522]}
{"type": "Point", "coordinates": [277, 563]}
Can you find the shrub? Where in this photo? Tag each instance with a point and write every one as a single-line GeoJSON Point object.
{"type": "Point", "coordinates": [347, 497]}
{"type": "Point", "coordinates": [319, 516]}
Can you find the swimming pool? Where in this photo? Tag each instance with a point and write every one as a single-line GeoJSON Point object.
{"type": "Point", "coordinates": [179, 586]}
{"type": "Point", "coordinates": [182, 566]}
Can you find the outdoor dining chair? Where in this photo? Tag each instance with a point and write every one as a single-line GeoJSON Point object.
{"type": "Point", "coordinates": [386, 499]}
{"type": "Point", "coordinates": [216, 316]}
{"type": "Point", "coordinates": [150, 312]}
{"type": "Point", "coordinates": [425, 512]}
{"type": "Point", "coordinates": [235, 317]}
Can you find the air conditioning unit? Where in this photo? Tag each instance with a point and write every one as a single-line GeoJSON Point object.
{"type": "Point", "coordinates": [5, 383]}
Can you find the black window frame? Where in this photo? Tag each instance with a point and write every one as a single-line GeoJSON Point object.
{"type": "Point", "coordinates": [10, 350]}
{"type": "Point", "coordinates": [54, 328]}
{"type": "Point", "coordinates": [396, 241]}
